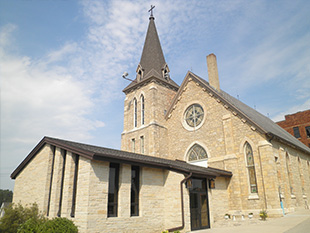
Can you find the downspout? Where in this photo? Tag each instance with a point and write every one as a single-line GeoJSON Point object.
{"type": "Point", "coordinates": [182, 205]}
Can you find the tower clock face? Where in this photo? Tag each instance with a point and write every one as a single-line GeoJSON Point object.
{"type": "Point", "coordinates": [194, 115]}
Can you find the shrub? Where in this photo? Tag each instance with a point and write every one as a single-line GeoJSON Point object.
{"type": "Point", "coordinates": [32, 225]}
{"type": "Point", "coordinates": [15, 215]}
{"type": "Point", "coordinates": [5, 196]}
{"type": "Point", "coordinates": [263, 214]}
{"type": "Point", "coordinates": [58, 225]}
{"type": "Point", "coordinates": [48, 226]}
{"type": "Point", "coordinates": [19, 219]}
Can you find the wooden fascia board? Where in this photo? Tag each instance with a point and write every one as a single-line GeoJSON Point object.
{"type": "Point", "coordinates": [116, 159]}
{"type": "Point", "coordinates": [52, 142]}
{"type": "Point", "coordinates": [72, 149]}
{"type": "Point", "coordinates": [28, 158]}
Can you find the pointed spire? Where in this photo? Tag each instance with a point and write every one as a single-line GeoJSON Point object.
{"type": "Point", "coordinates": [152, 55]}
{"type": "Point", "coordinates": [152, 63]}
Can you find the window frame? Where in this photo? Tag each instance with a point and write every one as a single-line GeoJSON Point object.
{"type": "Point", "coordinates": [113, 168]}
{"type": "Point", "coordinates": [135, 113]}
{"type": "Point", "coordinates": [142, 109]}
{"type": "Point", "coordinates": [307, 129]}
{"type": "Point", "coordinates": [192, 149]}
{"type": "Point", "coordinates": [251, 171]}
{"type": "Point", "coordinates": [135, 188]}
{"type": "Point", "coordinates": [296, 132]}
{"type": "Point", "coordinates": [142, 149]}
{"type": "Point", "coordinates": [75, 179]}
{"type": "Point", "coordinates": [133, 145]}
{"type": "Point", "coordinates": [185, 116]}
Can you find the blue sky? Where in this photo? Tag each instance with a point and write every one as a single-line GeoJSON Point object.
{"type": "Point", "coordinates": [61, 62]}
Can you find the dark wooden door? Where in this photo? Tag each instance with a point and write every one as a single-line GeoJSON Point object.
{"type": "Point", "coordinates": [199, 205]}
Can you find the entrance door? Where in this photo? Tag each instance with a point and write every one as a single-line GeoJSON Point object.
{"type": "Point", "coordinates": [199, 205]}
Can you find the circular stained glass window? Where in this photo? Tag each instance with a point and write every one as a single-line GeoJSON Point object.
{"type": "Point", "coordinates": [194, 115]}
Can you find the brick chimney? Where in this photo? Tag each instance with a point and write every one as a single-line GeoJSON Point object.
{"type": "Point", "coordinates": [213, 72]}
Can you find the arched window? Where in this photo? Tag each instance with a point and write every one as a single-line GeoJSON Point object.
{"type": "Point", "coordinates": [196, 152]}
{"type": "Point", "coordinates": [142, 109]}
{"type": "Point", "coordinates": [251, 167]}
{"type": "Point", "coordinates": [135, 112]}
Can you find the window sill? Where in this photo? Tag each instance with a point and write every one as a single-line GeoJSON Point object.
{"type": "Point", "coordinates": [293, 196]}
{"type": "Point", "coordinates": [304, 196]}
{"type": "Point", "coordinates": [253, 196]}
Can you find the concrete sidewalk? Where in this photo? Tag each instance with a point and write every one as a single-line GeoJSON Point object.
{"type": "Point", "coordinates": [297, 222]}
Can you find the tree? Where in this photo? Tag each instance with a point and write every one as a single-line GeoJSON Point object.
{"type": "Point", "coordinates": [5, 196]}
{"type": "Point", "coordinates": [19, 219]}
{"type": "Point", "coordinates": [15, 215]}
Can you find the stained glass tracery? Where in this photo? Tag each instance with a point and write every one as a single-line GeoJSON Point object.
{"type": "Point", "coordinates": [197, 153]}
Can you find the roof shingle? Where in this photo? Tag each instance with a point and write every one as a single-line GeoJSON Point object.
{"type": "Point", "coordinates": [107, 154]}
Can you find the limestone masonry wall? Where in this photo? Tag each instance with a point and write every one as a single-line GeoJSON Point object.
{"type": "Point", "coordinates": [223, 134]}
{"type": "Point", "coordinates": [31, 183]}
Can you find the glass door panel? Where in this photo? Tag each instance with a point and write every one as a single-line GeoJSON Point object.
{"type": "Point", "coordinates": [195, 218]}
{"type": "Point", "coordinates": [204, 210]}
{"type": "Point", "coordinates": [199, 205]}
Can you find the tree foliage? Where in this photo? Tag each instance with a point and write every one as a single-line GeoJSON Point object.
{"type": "Point", "coordinates": [15, 215]}
{"type": "Point", "coordinates": [19, 219]}
{"type": "Point", "coordinates": [48, 226]}
{"type": "Point", "coordinates": [5, 196]}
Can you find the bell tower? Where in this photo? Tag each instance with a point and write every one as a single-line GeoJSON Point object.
{"type": "Point", "coordinates": [147, 100]}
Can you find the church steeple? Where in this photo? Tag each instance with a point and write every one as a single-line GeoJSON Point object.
{"type": "Point", "coordinates": [152, 58]}
{"type": "Point", "coordinates": [152, 64]}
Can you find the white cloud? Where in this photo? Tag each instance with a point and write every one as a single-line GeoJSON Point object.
{"type": "Point", "coordinates": [38, 101]}
{"type": "Point", "coordinates": [5, 34]}
{"type": "Point", "coordinates": [58, 55]}
{"type": "Point", "coordinates": [60, 93]}
{"type": "Point", "coordinates": [40, 98]}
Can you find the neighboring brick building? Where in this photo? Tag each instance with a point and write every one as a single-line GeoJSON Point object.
{"type": "Point", "coordinates": [298, 125]}
{"type": "Point", "coordinates": [189, 155]}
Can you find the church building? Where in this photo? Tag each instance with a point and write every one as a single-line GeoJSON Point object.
{"type": "Point", "coordinates": [189, 155]}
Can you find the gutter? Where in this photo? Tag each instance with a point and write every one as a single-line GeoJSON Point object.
{"type": "Point", "coordinates": [182, 205]}
{"type": "Point", "coordinates": [273, 136]}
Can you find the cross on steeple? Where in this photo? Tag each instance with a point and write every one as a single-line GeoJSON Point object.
{"type": "Point", "coordinates": [151, 10]}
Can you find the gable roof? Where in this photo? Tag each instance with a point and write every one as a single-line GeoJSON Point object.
{"type": "Point", "coordinates": [96, 153]}
{"type": "Point", "coordinates": [258, 120]}
{"type": "Point", "coordinates": [152, 77]}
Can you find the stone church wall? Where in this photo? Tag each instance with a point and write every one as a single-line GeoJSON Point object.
{"type": "Point", "coordinates": [156, 101]}
{"type": "Point", "coordinates": [223, 135]}
{"type": "Point", "coordinates": [218, 200]}
{"type": "Point", "coordinates": [160, 202]}
{"type": "Point", "coordinates": [36, 172]}
{"type": "Point", "coordinates": [159, 195]}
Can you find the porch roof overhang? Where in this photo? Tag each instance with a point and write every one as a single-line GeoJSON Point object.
{"type": "Point", "coordinates": [96, 153]}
